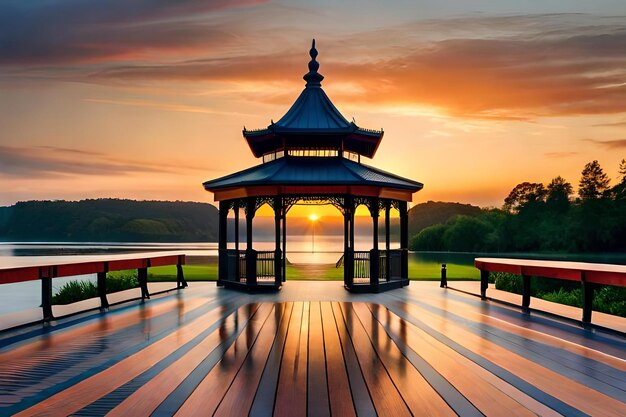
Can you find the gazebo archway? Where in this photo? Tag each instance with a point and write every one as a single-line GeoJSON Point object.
{"type": "Point", "coordinates": [313, 154]}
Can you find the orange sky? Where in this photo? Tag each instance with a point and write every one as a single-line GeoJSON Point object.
{"type": "Point", "coordinates": [145, 101]}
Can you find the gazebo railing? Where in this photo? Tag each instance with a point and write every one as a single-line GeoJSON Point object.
{"type": "Point", "coordinates": [237, 266]}
{"type": "Point", "coordinates": [361, 265]}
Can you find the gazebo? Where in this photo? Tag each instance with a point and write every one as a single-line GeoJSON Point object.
{"type": "Point", "coordinates": [313, 155]}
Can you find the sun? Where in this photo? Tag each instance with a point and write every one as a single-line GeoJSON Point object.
{"type": "Point", "coordinates": [313, 217]}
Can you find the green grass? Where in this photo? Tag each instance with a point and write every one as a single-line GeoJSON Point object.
{"type": "Point", "coordinates": [417, 271]}
{"type": "Point", "coordinates": [74, 291]}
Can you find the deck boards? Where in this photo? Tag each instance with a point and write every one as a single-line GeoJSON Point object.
{"type": "Point", "coordinates": [314, 350]}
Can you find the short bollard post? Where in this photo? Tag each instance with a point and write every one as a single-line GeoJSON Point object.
{"type": "Point", "coordinates": [444, 279]}
{"type": "Point", "coordinates": [588, 293]}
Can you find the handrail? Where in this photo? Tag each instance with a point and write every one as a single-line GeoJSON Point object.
{"type": "Point", "coordinates": [588, 274]}
{"type": "Point", "coordinates": [95, 264]}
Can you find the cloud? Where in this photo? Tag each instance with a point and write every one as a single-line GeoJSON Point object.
{"type": "Point", "coordinates": [49, 161]}
{"type": "Point", "coordinates": [76, 31]}
{"type": "Point", "coordinates": [559, 155]}
{"type": "Point", "coordinates": [609, 144]}
{"type": "Point", "coordinates": [163, 106]}
{"type": "Point", "coordinates": [514, 77]}
{"type": "Point", "coordinates": [616, 124]}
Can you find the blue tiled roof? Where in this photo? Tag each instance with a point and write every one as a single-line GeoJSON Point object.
{"type": "Point", "coordinates": [312, 171]}
{"type": "Point", "coordinates": [313, 110]}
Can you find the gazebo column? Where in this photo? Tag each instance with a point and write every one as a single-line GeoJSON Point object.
{"type": "Point", "coordinates": [284, 265]}
{"type": "Point", "coordinates": [404, 239]}
{"type": "Point", "coordinates": [387, 241]}
{"type": "Point", "coordinates": [348, 242]}
{"type": "Point", "coordinates": [221, 246]}
{"type": "Point", "coordinates": [374, 253]}
{"type": "Point", "coordinates": [236, 264]}
{"type": "Point", "coordinates": [278, 208]}
{"type": "Point", "coordinates": [250, 253]}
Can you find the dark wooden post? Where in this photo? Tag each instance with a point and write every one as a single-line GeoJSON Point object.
{"type": "Point", "coordinates": [236, 224]}
{"type": "Point", "coordinates": [387, 240]}
{"type": "Point", "coordinates": [250, 253]}
{"type": "Point", "coordinates": [444, 277]}
{"type": "Point", "coordinates": [404, 239]}
{"type": "Point", "coordinates": [374, 253]}
{"type": "Point", "coordinates": [351, 251]}
{"type": "Point", "coordinates": [484, 283]}
{"type": "Point", "coordinates": [45, 275]}
{"type": "Point", "coordinates": [525, 292]}
{"type": "Point", "coordinates": [346, 247]}
{"type": "Point", "coordinates": [102, 287]}
{"type": "Point", "coordinates": [222, 266]}
{"type": "Point", "coordinates": [284, 210]}
{"type": "Point", "coordinates": [278, 208]}
{"type": "Point", "coordinates": [588, 293]}
{"type": "Point", "coordinates": [142, 277]}
{"type": "Point", "coordinates": [180, 278]}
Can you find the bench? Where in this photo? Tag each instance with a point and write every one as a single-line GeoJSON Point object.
{"type": "Point", "coordinates": [588, 274]}
{"type": "Point", "coordinates": [96, 264]}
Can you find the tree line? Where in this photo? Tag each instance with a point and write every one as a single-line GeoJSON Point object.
{"type": "Point", "coordinates": [545, 218]}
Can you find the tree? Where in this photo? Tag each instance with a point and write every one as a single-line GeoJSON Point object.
{"type": "Point", "coordinates": [524, 195]}
{"type": "Point", "coordinates": [559, 192]}
{"type": "Point", "coordinates": [593, 183]}
{"type": "Point", "coordinates": [622, 170]}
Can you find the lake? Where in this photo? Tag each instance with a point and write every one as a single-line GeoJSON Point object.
{"type": "Point", "coordinates": [327, 250]}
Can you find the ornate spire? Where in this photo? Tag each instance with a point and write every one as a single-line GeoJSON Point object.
{"type": "Point", "coordinates": [313, 78]}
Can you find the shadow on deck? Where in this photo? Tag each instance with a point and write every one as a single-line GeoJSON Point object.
{"type": "Point", "coordinates": [312, 348]}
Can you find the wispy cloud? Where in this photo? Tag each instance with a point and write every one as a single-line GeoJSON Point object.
{"type": "Point", "coordinates": [163, 106]}
{"type": "Point", "coordinates": [559, 155]}
{"type": "Point", "coordinates": [609, 144]}
{"type": "Point", "coordinates": [616, 124]}
{"type": "Point", "coordinates": [48, 161]}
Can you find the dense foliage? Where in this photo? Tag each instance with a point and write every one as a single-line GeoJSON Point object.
{"type": "Point", "coordinates": [74, 291]}
{"type": "Point", "coordinates": [431, 213]}
{"type": "Point", "coordinates": [607, 299]}
{"type": "Point", "coordinates": [538, 218]}
{"type": "Point", "coordinates": [109, 220]}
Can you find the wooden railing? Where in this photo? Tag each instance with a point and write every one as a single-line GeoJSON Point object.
{"type": "Point", "coordinates": [97, 264]}
{"type": "Point", "coordinates": [361, 267]}
{"type": "Point", "coordinates": [588, 274]}
{"type": "Point", "coordinates": [248, 267]}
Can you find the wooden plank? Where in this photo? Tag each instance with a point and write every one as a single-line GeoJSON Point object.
{"type": "Point", "coordinates": [570, 392]}
{"type": "Point", "coordinates": [89, 390]}
{"type": "Point", "coordinates": [9, 276]}
{"type": "Point", "coordinates": [148, 397]}
{"type": "Point", "coordinates": [79, 269]}
{"type": "Point", "coordinates": [238, 400]}
{"type": "Point", "coordinates": [487, 392]}
{"type": "Point", "coordinates": [385, 396]}
{"type": "Point", "coordinates": [318, 403]}
{"type": "Point", "coordinates": [292, 390]}
{"type": "Point", "coordinates": [208, 395]}
{"type": "Point", "coordinates": [339, 393]}
{"type": "Point", "coordinates": [417, 393]}
{"type": "Point", "coordinates": [163, 260]}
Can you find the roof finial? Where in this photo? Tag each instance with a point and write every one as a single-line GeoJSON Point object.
{"type": "Point", "coordinates": [313, 78]}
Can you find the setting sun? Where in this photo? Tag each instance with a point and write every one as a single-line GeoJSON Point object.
{"type": "Point", "coordinates": [313, 217]}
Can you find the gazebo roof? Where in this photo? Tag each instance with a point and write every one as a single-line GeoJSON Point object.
{"type": "Point", "coordinates": [314, 122]}
{"type": "Point", "coordinates": [321, 175]}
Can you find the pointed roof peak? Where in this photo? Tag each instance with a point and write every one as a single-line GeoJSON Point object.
{"type": "Point", "coordinates": [313, 78]}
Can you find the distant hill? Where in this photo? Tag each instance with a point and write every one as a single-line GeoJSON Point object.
{"type": "Point", "coordinates": [436, 212]}
{"type": "Point", "coordinates": [109, 220]}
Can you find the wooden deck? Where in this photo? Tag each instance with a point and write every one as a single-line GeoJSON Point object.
{"type": "Point", "coordinates": [312, 349]}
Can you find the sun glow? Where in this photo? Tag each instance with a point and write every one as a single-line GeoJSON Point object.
{"type": "Point", "coordinates": [313, 217]}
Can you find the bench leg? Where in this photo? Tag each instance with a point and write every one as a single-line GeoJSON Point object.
{"type": "Point", "coordinates": [102, 290]}
{"type": "Point", "coordinates": [588, 293]}
{"type": "Point", "coordinates": [180, 278]}
{"type": "Point", "coordinates": [525, 292]}
{"type": "Point", "coordinates": [142, 276]}
{"type": "Point", "coordinates": [484, 283]}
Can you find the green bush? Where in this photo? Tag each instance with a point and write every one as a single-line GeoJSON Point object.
{"type": "Point", "coordinates": [508, 282]}
{"type": "Point", "coordinates": [562, 296]}
{"type": "Point", "coordinates": [74, 291]}
{"type": "Point", "coordinates": [611, 300]}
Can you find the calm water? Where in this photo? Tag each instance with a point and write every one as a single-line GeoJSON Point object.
{"type": "Point", "coordinates": [327, 250]}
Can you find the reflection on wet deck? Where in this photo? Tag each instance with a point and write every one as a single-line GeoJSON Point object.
{"type": "Point", "coordinates": [312, 348]}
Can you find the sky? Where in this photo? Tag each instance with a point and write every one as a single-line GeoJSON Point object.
{"type": "Point", "coordinates": [147, 99]}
